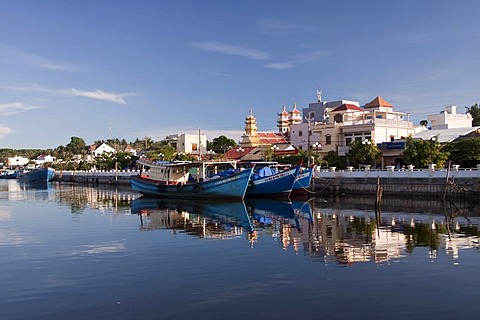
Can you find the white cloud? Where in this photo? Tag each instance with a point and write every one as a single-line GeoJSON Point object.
{"type": "Point", "coordinates": [232, 50]}
{"type": "Point", "coordinates": [12, 55]}
{"type": "Point", "coordinates": [15, 107]}
{"type": "Point", "coordinates": [97, 94]}
{"type": "Point", "coordinates": [311, 56]}
{"type": "Point", "coordinates": [273, 27]}
{"type": "Point", "coordinates": [4, 131]}
{"type": "Point", "coordinates": [279, 66]}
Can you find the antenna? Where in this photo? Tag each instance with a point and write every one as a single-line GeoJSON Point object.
{"type": "Point", "coordinates": [110, 131]}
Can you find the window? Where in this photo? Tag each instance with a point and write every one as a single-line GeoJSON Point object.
{"type": "Point", "coordinates": [348, 141]}
{"type": "Point", "coordinates": [312, 115]}
{"type": "Point", "coordinates": [328, 139]}
{"type": "Point", "coordinates": [194, 147]}
{"type": "Point", "coordinates": [338, 118]}
{"type": "Point", "coordinates": [300, 133]}
{"type": "Point", "coordinates": [379, 116]}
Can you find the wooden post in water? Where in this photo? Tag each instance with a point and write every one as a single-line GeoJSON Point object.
{"type": "Point", "coordinates": [446, 181]}
{"type": "Point", "coordinates": [378, 200]}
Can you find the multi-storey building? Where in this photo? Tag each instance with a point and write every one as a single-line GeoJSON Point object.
{"type": "Point", "coordinates": [449, 119]}
{"type": "Point", "coordinates": [337, 124]}
{"type": "Point", "coordinates": [195, 144]}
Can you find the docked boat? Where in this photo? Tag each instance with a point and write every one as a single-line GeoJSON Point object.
{"type": "Point", "coordinates": [268, 181]}
{"type": "Point", "coordinates": [301, 186]}
{"type": "Point", "coordinates": [9, 174]}
{"type": "Point", "coordinates": [196, 180]}
{"type": "Point", "coordinates": [37, 175]}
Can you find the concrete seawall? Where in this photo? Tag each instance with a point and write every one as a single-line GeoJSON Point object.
{"type": "Point", "coordinates": [95, 177]}
{"type": "Point", "coordinates": [401, 183]}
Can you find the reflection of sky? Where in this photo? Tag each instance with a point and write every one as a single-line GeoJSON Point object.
{"type": "Point", "coordinates": [106, 247]}
{"type": "Point", "coordinates": [5, 214]}
{"type": "Point", "coordinates": [12, 238]}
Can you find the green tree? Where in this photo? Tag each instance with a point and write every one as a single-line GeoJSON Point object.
{"type": "Point", "coordinates": [76, 146]}
{"type": "Point", "coordinates": [465, 152]}
{"type": "Point", "coordinates": [475, 112]}
{"type": "Point", "coordinates": [221, 144]}
{"type": "Point", "coordinates": [420, 152]}
{"type": "Point", "coordinates": [332, 159]}
{"type": "Point", "coordinates": [363, 152]}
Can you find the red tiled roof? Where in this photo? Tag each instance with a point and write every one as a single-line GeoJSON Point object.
{"type": "Point", "coordinates": [347, 106]}
{"type": "Point", "coordinates": [271, 137]}
{"type": "Point", "coordinates": [378, 102]}
{"type": "Point", "coordinates": [234, 154]}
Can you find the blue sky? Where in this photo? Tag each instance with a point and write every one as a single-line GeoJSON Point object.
{"type": "Point", "coordinates": [130, 69]}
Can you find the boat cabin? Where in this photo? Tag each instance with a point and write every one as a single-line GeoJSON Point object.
{"type": "Point", "coordinates": [183, 172]}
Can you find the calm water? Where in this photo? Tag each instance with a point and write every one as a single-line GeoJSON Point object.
{"type": "Point", "coordinates": [72, 252]}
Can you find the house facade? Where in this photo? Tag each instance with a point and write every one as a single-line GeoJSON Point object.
{"type": "Point", "coordinates": [343, 124]}
{"type": "Point", "coordinates": [96, 151]}
{"type": "Point", "coordinates": [194, 144]}
{"type": "Point", "coordinates": [449, 119]}
{"type": "Point", "coordinates": [17, 161]}
{"type": "Point", "coordinates": [41, 159]}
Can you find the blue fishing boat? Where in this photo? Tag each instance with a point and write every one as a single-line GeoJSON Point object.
{"type": "Point", "coordinates": [37, 175]}
{"type": "Point", "coordinates": [9, 174]}
{"type": "Point", "coordinates": [267, 181]}
{"type": "Point", "coordinates": [194, 180]}
{"type": "Point", "coordinates": [303, 181]}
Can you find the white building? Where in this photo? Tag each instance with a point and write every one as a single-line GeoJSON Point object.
{"type": "Point", "coordinates": [449, 119]}
{"type": "Point", "coordinates": [17, 161]}
{"type": "Point", "coordinates": [376, 122]}
{"type": "Point", "coordinates": [101, 149]}
{"type": "Point", "coordinates": [41, 159]}
{"type": "Point", "coordinates": [194, 144]}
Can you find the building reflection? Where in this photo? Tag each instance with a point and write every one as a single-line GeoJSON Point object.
{"type": "Point", "coordinates": [326, 232]}
{"type": "Point", "coordinates": [325, 235]}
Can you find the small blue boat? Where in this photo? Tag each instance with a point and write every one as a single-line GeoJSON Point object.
{"type": "Point", "coordinates": [37, 175]}
{"type": "Point", "coordinates": [268, 182]}
{"type": "Point", "coordinates": [9, 174]}
{"type": "Point", "coordinates": [303, 181]}
{"type": "Point", "coordinates": [194, 180]}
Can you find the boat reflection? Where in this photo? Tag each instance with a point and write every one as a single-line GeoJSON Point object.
{"type": "Point", "coordinates": [205, 219]}
{"type": "Point", "coordinates": [325, 235]}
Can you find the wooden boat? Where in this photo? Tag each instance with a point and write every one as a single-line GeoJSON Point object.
{"type": "Point", "coordinates": [270, 182]}
{"type": "Point", "coordinates": [37, 175]}
{"type": "Point", "coordinates": [196, 180]}
{"type": "Point", "coordinates": [301, 186]}
{"type": "Point", "coordinates": [9, 174]}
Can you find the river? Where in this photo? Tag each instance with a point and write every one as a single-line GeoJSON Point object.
{"type": "Point", "coordinates": [76, 252]}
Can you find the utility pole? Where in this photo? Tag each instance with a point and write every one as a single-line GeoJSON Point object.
{"type": "Point", "coordinates": [309, 119]}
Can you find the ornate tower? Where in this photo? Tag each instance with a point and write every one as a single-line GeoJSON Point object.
{"type": "Point", "coordinates": [283, 121]}
{"type": "Point", "coordinates": [250, 138]}
{"type": "Point", "coordinates": [295, 115]}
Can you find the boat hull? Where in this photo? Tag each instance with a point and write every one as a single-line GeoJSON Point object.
{"type": "Point", "coordinates": [301, 186]}
{"type": "Point", "coordinates": [233, 186]}
{"type": "Point", "coordinates": [39, 175]}
{"type": "Point", "coordinates": [279, 184]}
